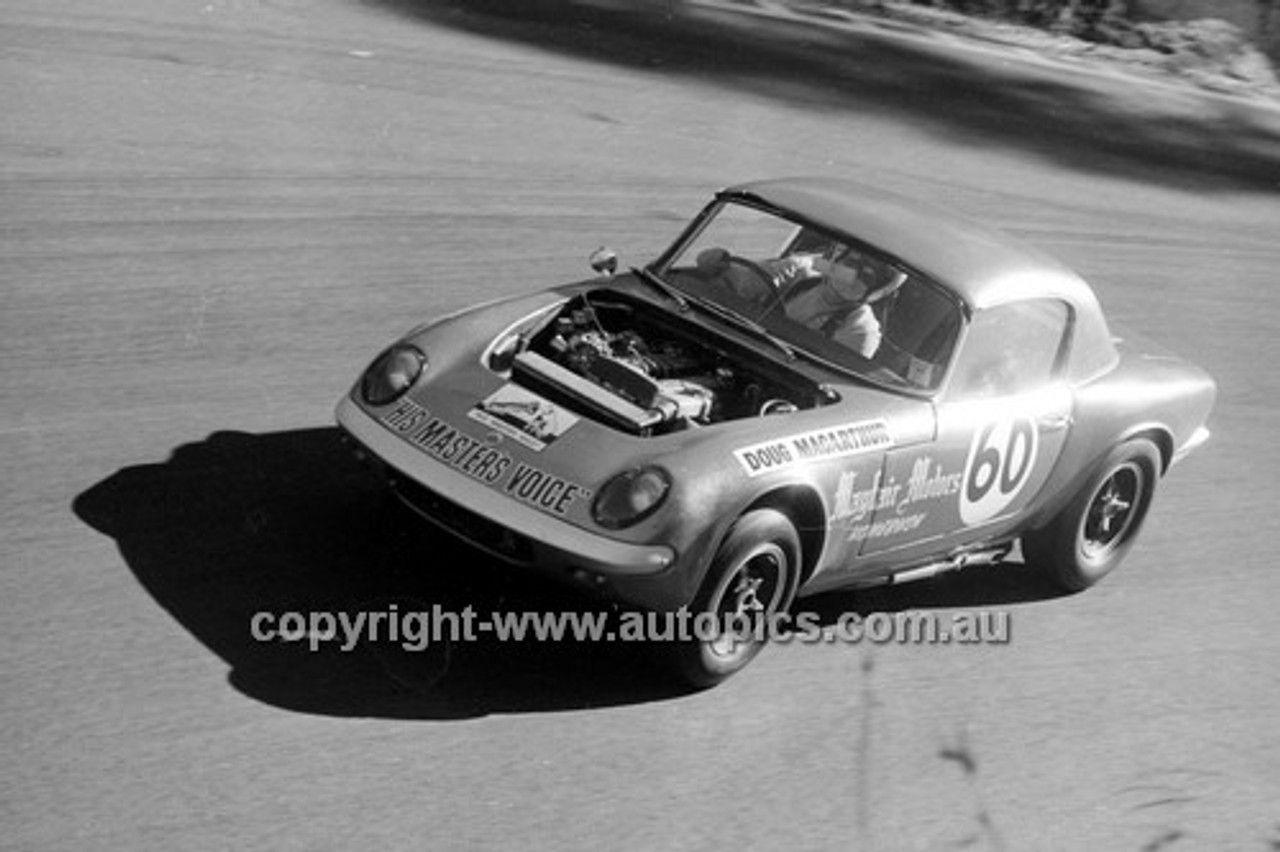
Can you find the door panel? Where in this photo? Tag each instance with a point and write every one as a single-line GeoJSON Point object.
{"type": "Point", "coordinates": [853, 487]}
{"type": "Point", "coordinates": [988, 461]}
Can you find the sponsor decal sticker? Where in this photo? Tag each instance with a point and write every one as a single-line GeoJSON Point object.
{"type": "Point", "coordinates": [897, 506]}
{"type": "Point", "coordinates": [818, 445]}
{"type": "Point", "coordinates": [523, 416]}
{"type": "Point", "coordinates": [481, 460]}
{"type": "Point", "coordinates": [1000, 461]}
{"type": "Point", "coordinates": [887, 527]}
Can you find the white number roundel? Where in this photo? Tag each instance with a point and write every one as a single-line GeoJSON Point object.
{"type": "Point", "coordinates": [1000, 461]}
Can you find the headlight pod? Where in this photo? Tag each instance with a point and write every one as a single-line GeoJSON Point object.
{"type": "Point", "coordinates": [391, 374]}
{"type": "Point", "coordinates": [631, 497]}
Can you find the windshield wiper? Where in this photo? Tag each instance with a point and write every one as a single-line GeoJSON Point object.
{"type": "Point", "coordinates": [662, 287]}
{"type": "Point", "coordinates": [728, 314]}
{"type": "Point", "coordinates": [750, 325]}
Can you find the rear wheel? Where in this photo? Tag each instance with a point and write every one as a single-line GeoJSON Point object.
{"type": "Point", "coordinates": [753, 576]}
{"type": "Point", "coordinates": [1092, 534]}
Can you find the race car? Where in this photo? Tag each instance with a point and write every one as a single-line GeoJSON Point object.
{"type": "Point", "coordinates": [817, 385]}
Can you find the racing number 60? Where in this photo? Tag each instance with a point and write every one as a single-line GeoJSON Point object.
{"type": "Point", "coordinates": [1000, 461]}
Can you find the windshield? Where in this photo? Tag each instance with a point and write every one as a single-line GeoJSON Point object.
{"type": "Point", "coordinates": [828, 295]}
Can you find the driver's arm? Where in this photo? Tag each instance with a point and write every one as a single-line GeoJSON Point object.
{"type": "Point", "coordinates": [860, 332]}
{"type": "Point", "coordinates": [797, 267]}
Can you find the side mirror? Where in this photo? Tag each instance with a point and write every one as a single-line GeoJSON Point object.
{"type": "Point", "coordinates": [604, 261]}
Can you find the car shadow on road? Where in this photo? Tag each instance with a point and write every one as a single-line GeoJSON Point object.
{"type": "Point", "coordinates": [239, 524]}
{"type": "Point", "coordinates": [1056, 113]}
{"type": "Point", "coordinates": [288, 522]}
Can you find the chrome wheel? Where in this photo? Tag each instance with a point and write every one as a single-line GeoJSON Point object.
{"type": "Point", "coordinates": [744, 599]}
{"type": "Point", "coordinates": [1111, 512]}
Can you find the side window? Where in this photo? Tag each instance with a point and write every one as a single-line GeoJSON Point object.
{"type": "Point", "coordinates": [1011, 348]}
{"type": "Point", "coordinates": [920, 326]}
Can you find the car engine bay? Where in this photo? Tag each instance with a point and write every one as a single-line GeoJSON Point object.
{"type": "Point", "coordinates": [650, 372]}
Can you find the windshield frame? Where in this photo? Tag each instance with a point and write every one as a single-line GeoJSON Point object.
{"type": "Point", "coordinates": [663, 264]}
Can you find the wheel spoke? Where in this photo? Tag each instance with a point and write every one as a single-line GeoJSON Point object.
{"type": "Point", "coordinates": [751, 577]}
{"type": "Point", "coordinates": [747, 594]}
{"type": "Point", "coordinates": [1109, 513]}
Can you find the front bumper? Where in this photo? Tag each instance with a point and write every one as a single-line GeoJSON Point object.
{"type": "Point", "coordinates": [505, 528]}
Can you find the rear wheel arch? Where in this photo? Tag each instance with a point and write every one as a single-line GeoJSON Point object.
{"type": "Point", "coordinates": [1158, 435]}
{"type": "Point", "coordinates": [1075, 463]}
{"type": "Point", "coordinates": [1090, 535]}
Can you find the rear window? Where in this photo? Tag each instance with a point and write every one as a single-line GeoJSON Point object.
{"type": "Point", "coordinates": [1012, 348]}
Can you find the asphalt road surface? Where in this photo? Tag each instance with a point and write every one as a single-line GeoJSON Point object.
{"type": "Point", "coordinates": [215, 211]}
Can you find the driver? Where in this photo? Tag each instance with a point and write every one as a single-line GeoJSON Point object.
{"type": "Point", "coordinates": [841, 305]}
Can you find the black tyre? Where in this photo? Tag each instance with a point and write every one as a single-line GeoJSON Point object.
{"type": "Point", "coordinates": [1092, 534]}
{"type": "Point", "coordinates": [754, 575]}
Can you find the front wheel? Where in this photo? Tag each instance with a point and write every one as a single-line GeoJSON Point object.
{"type": "Point", "coordinates": [753, 576]}
{"type": "Point", "coordinates": [1092, 534]}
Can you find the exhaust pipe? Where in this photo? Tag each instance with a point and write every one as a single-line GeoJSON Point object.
{"type": "Point", "coordinates": [992, 556]}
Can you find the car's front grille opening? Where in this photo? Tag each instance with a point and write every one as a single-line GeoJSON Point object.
{"type": "Point", "coordinates": [480, 531]}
